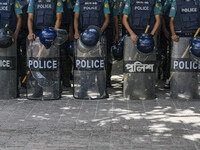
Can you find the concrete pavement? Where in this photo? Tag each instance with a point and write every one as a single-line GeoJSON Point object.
{"type": "Point", "coordinates": [109, 124]}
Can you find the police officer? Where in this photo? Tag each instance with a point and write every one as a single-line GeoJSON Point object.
{"type": "Point", "coordinates": [21, 41]}
{"type": "Point", "coordinates": [184, 21]}
{"type": "Point", "coordinates": [66, 63]}
{"type": "Point", "coordinates": [137, 13]}
{"type": "Point", "coordinates": [43, 14]}
{"type": "Point", "coordinates": [121, 8]}
{"type": "Point", "coordinates": [187, 8]}
{"type": "Point", "coordinates": [112, 31]}
{"type": "Point", "coordinates": [11, 15]}
{"type": "Point", "coordinates": [90, 12]}
{"type": "Point", "coordinates": [165, 41]}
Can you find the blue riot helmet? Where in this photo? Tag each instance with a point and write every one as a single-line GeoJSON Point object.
{"type": "Point", "coordinates": [88, 39]}
{"type": "Point", "coordinates": [6, 37]}
{"type": "Point", "coordinates": [96, 28]}
{"type": "Point", "coordinates": [47, 36]}
{"type": "Point", "coordinates": [116, 52]}
{"type": "Point", "coordinates": [70, 48]}
{"type": "Point", "coordinates": [112, 50]}
{"type": "Point", "coordinates": [195, 48]}
{"type": "Point", "coordinates": [145, 44]}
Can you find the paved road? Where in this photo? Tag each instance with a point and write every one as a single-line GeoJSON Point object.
{"type": "Point", "coordinates": [110, 124]}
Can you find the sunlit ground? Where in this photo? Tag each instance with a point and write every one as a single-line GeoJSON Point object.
{"type": "Point", "coordinates": [108, 124]}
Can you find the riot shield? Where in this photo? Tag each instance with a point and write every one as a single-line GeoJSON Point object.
{"type": "Point", "coordinates": [139, 73]}
{"type": "Point", "coordinates": [8, 72]}
{"type": "Point", "coordinates": [43, 79]}
{"type": "Point", "coordinates": [90, 72]}
{"type": "Point", "coordinates": [184, 83]}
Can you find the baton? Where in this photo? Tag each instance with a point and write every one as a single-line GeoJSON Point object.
{"type": "Point", "coordinates": [147, 28]}
{"type": "Point", "coordinates": [187, 49]}
{"type": "Point", "coordinates": [38, 55]}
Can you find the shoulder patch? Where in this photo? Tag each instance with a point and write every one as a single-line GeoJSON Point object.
{"type": "Point", "coordinates": [59, 3]}
{"type": "Point", "coordinates": [157, 5]}
{"type": "Point", "coordinates": [17, 5]}
{"type": "Point", "coordinates": [106, 5]}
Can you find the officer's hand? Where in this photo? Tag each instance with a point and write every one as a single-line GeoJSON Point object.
{"type": "Point", "coordinates": [175, 38]}
{"type": "Point", "coordinates": [134, 38]}
{"type": "Point", "coordinates": [31, 36]}
{"type": "Point", "coordinates": [76, 35]}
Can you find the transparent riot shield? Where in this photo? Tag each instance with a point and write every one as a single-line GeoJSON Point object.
{"type": "Point", "coordinates": [184, 83]}
{"type": "Point", "coordinates": [8, 72]}
{"type": "Point", "coordinates": [139, 73]}
{"type": "Point", "coordinates": [90, 72]}
{"type": "Point", "coordinates": [43, 76]}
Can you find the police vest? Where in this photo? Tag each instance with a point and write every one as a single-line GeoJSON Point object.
{"type": "Point", "coordinates": [141, 15]}
{"type": "Point", "coordinates": [45, 14]}
{"type": "Point", "coordinates": [7, 14]}
{"type": "Point", "coordinates": [111, 22]}
{"type": "Point", "coordinates": [187, 16]}
{"type": "Point", "coordinates": [24, 7]}
{"type": "Point", "coordinates": [67, 15]}
{"type": "Point", "coordinates": [91, 13]}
